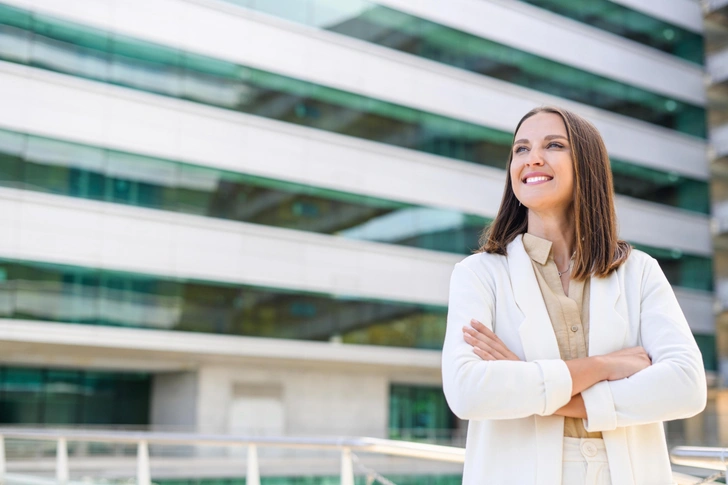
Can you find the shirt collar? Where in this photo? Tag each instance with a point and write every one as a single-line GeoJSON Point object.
{"type": "Point", "coordinates": [537, 248]}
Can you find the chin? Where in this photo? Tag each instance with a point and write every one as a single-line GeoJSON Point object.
{"type": "Point", "coordinates": [540, 204]}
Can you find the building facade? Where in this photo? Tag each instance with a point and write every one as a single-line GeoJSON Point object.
{"type": "Point", "coordinates": [240, 216]}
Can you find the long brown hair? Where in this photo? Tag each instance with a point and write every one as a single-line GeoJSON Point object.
{"type": "Point", "coordinates": [599, 251]}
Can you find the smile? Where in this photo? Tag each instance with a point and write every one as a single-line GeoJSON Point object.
{"type": "Point", "coordinates": [536, 180]}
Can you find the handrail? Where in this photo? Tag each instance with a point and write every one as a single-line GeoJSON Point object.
{"type": "Point", "coordinates": [700, 457]}
{"type": "Point", "coordinates": [144, 438]}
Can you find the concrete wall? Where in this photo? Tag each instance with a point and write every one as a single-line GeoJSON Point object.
{"type": "Point", "coordinates": [174, 401]}
{"type": "Point", "coordinates": [334, 401]}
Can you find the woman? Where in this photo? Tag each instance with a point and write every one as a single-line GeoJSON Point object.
{"type": "Point", "coordinates": [565, 348]}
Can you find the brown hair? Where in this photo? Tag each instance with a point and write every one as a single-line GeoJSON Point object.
{"type": "Point", "coordinates": [598, 249]}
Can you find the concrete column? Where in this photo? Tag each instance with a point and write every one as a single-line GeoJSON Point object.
{"type": "Point", "coordinates": [174, 401]}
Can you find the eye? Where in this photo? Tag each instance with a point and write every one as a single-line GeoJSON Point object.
{"type": "Point", "coordinates": [519, 149]}
{"type": "Point", "coordinates": [554, 144]}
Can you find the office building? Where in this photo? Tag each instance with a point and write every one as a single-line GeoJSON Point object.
{"type": "Point", "coordinates": [240, 216]}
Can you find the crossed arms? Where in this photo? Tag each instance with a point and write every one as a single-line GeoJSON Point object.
{"type": "Point", "coordinates": [660, 381]}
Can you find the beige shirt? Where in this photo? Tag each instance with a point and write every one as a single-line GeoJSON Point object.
{"type": "Point", "coordinates": [569, 314]}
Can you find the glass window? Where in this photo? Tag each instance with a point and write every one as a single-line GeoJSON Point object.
{"type": "Point", "coordinates": [397, 30]}
{"type": "Point", "coordinates": [419, 413]}
{"type": "Point", "coordinates": [21, 395]}
{"type": "Point", "coordinates": [78, 50]}
{"type": "Point", "coordinates": [662, 187]}
{"type": "Point", "coordinates": [38, 291]}
{"type": "Point", "coordinates": [708, 348]}
{"type": "Point", "coordinates": [71, 169]}
{"type": "Point", "coordinates": [81, 171]}
{"type": "Point", "coordinates": [632, 24]}
{"type": "Point", "coordinates": [684, 270]}
{"type": "Point", "coordinates": [66, 396]}
{"type": "Point", "coordinates": [56, 293]}
{"type": "Point", "coordinates": [12, 159]}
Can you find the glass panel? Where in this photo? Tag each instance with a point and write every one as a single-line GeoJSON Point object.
{"type": "Point", "coordinates": [56, 293]}
{"type": "Point", "coordinates": [419, 413]}
{"type": "Point", "coordinates": [397, 30]}
{"type": "Point", "coordinates": [80, 171]}
{"type": "Point", "coordinates": [65, 396]}
{"type": "Point", "coordinates": [22, 395]}
{"type": "Point", "coordinates": [632, 24]}
{"type": "Point", "coordinates": [12, 159]}
{"type": "Point", "coordinates": [708, 348]}
{"type": "Point", "coordinates": [89, 172]}
{"type": "Point", "coordinates": [86, 52]}
{"type": "Point", "coordinates": [667, 188]}
{"type": "Point", "coordinates": [684, 270]}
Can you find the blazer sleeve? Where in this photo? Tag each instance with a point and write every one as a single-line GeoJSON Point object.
{"type": "Point", "coordinates": [478, 389]}
{"type": "Point", "coordinates": [673, 387]}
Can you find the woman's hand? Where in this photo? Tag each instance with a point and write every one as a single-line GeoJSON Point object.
{"type": "Point", "coordinates": [625, 363]}
{"type": "Point", "coordinates": [485, 343]}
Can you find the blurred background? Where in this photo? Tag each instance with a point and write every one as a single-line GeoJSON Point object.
{"type": "Point", "coordinates": [240, 216]}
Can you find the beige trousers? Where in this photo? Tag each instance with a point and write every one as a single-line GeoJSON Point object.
{"type": "Point", "coordinates": [585, 462]}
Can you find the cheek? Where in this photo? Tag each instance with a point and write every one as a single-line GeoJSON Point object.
{"type": "Point", "coordinates": [514, 173]}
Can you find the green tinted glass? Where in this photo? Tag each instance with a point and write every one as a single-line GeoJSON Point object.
{"type": "Point", "coordinates": [71, 294]}
{"type": "Point", "coordinates": [390, 28]}
{"type": "Point", "coordinates": [54, 166]}
{"type": "Point", "coordinates": [96, 54]}
{"type": "Point", "coordinates": [684, 270]}
{"type": "Point", "coordinates": [64, 168]}
{"type": "Point", "coordinates": [631, 24]}
{"type": "Point", "coordinates": [63, 396]}
{"type": "Point", "coordinates": [57, 45]}
{"type": "Point", "coordinates": [419, 413]}
{"type": "Point", "coordinates": [708, 348]}
{"type": "Point", "coordinates": [668, 188]}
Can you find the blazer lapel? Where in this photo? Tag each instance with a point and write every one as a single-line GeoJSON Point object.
{"type": "Point", "coordinates": [536, 331]}
{"type": "Point", "coordinates": [607, 315]}
{"type": "Point", "coordinates": [607, 333]}
{"type": "Point", "coordinates": [539, 343]}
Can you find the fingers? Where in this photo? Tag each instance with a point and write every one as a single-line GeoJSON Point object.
{"type": "Point", "coordinates": [482, 345]}
{"type": "Point", "coordinates": [486, 334]}
{"type": "Point", "coordinates": [483, 354]}
{"type": "Point", "coordinates": [484, 339]}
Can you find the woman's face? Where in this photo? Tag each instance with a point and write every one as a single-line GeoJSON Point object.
{"type": "Point", "coordinates": [542, 175]}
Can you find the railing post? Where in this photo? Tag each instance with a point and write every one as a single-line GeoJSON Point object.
{"type": "Point", "coordinates": [253, 475]}
{"type": "Point", "coordinates": [2, 456]}
{"type": "Point", "coordinates": [143, 473]}
{"type": "Point", "coordinates": [62, 460]}
{"type": "Point", "coordinates": [347, 467]}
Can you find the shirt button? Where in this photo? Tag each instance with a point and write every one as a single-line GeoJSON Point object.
{"type": "Point", "coordinates": [574, 328]}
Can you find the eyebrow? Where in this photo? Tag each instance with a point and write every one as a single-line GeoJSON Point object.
{"type": "Point", "coordinates": [548, 137]}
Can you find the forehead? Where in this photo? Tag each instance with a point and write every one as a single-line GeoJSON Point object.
{"type": "Point", "coordinates": [541, 125]}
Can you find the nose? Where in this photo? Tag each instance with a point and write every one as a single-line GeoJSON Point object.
{"type": "Point", "coordinates": [534, 157]}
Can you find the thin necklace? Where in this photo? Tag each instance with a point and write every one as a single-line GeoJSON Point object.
{"type": "Point", "coordinates": [571, 263]}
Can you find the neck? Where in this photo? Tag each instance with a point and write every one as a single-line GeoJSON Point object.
{"type": "Point", "coordinates": [557, 228]}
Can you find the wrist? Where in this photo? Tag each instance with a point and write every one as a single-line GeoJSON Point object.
{"type": "Point", "coordinates": [601, 364]}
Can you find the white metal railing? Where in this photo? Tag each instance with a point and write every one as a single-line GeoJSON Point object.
{"type": "Point", "coordinates": [699, 457]}
{"type": "Point", "coordinates": [702, 457]}
{"type": "Point", "coordinates": [144, 439]}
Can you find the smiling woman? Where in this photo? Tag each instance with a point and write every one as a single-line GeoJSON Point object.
{"type": "Point", "coordinates": [564, 343]}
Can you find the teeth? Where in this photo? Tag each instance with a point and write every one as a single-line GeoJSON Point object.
{"type": "Point", "coordinates": [536, 179]}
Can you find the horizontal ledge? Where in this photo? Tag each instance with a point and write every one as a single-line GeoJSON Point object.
{"type": "Point", "coordinates": [204, 347]}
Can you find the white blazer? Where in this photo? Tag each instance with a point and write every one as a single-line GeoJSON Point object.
{"type": "Point", "coordinates": [513, 438]}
